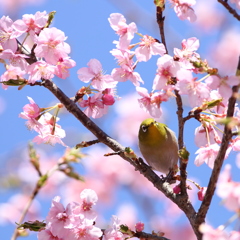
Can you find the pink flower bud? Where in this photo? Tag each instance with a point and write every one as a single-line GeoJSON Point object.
{"type": "Point", "coordinates": [177, 189]}
{"type": "Point", "coordinates": [108, 99]}
{"type": "Point", "coordinates": [139, 226]}
{"type": "Point", "coordinates": [201, 193]}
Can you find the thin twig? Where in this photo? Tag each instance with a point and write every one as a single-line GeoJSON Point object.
{"type": "Point", "coordinates": [230, 9]}
{"type": "Point", "coordinates": [183, 164]}
{"type": "Point", "coordinates": [160, 21]}
{"type": "Point", "coordinates": [25, 211]}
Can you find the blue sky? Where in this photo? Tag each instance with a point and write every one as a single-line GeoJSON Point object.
{"type": "Point", "coordinates": [90, 36]}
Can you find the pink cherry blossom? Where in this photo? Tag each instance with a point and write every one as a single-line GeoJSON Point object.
{"type": "Point", "coordinates": [237, 2]}
{"type": "Point", "coordinates": [207, 154]}
{"type": "Point", "coordinates": [184, 10]}
{"type": "Point", "coordinates": [39, 70]}
{"type": "Point", "coordinates": [236, 144]}
{"type": "Point", "coordinates": [139, 226]}
{"type": "Point", "coordinates": [30, 23]}
{"type": "Point", "coordinates": [89, 198]}
{"type": "Point", "coordinates": [197, 91]}
{"type": "Point", "coordinates": [85, 231]}
{"type": "Point", "coordinates": [62, 219]}
{"type": "Point", "coordinates": [177, 189]}
{"type": "Point", "coordinates": [46, 234]}
{"type": "Point", "coordinates": [13, 73]}
{"type": "Point", "coordinates": [94, 73]}
{"type": "Point", "coordinates": [15, 59]}
{"type": "Point", "coordinates": [126, 32]}
{"type": "Point", "coordinates": [7, 34]}
{"type": "Point", "coordinates": [201, 193]}
{"type": "Point", "coordinates": [112, 232]}
{"type": "Point", "coordinates": [224, 85]}
{"type": "Point", "coordinates": [124, 57]}
{"type": "Point", "coordinates": [228, 190]}
{"type": "Point", "coordinates": [148, 47]}
{"type": "Point", "coordinates": [206, 134]}
{"type": "Point", "coordinates": [108, 97]}
{"type": "Point", "coordinates": [50, 132]}
{"type": "Point", "coordinates": [210, 233]}
{"type": "Point", "coordinates": [51, 45]}
{"type": "Point", "coordinates": [167, 68]}
{"type": "Point", "coordinates": [62, 66]}
{"type": "Point", "coordinates": [95, 106]}
{"type": "Point", "coordinates": [126, 73]}
{"type": "Point", "coordinates": [151, 102]}
{"type": "Point", "coordinates": [187, 53]}
{"type": "Point", "coordinates": [31, 112]}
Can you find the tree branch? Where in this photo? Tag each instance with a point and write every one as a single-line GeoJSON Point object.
{"type": "Point", "coordinates": [182, 202]}
{"type": "Point", "coordinates": [230, 9]}
{"type": "Point", "coordinates": [160, 21]}
{"type": "Point", "coordinates": [227, 135]}
{"type": "Point", "coordinates": [183, 164]}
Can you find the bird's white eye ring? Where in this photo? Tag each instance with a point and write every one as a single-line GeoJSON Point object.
{"type": "Point", "coordinates": [144, 128]}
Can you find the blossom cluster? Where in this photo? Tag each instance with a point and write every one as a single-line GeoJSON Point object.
{"type": "Point", "coordinates": [77, 221]}
{"type": "Point", "coordinates": [180, 72]}
{"type": "Point", "coordinates": [29, 36]}
{"type": "Point", "coordinates": [44, 123]}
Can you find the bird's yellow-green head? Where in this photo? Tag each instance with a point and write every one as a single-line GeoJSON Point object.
{"type": "Point", "coordinates": [152, 132]}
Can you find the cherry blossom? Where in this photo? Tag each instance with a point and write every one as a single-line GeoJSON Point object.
{"type": "Point", "coordinates": [207, 154]}
{"type": "Point", "coordinates": [206, 134]}
{"type": "Point", "coordinates": [39, 70]}
{"type": "Point", "coordinates": [197, 91]}
{"type": "Point", "coordinates": [167, 69]}
{"type": "Point", "coordinates": [148, 47]}
{"type": "Point", "coordinates": [187, 54]}
{"type": "Point", "coordinates": [46, 234]}
{"type": "Point", "coordinates": [12, 73]}
{"type": "Point", "coordinates": [15, 59]}
{"type": "Point", "coordinates": [237, 2]}
{"type": "Point", "coordinates": [201, 193]}
{"type": "Point", "coordinates": [151, 102]}
{"type": "Point", "coordinates": [31, 112]}
{"type": "Point", "coordinates": [31, 24]}
{"type": "Point", "coordinates": [184, 10]}
{"type": "Point", "coordinates": [229, 190]}
{"type": "Point", "coordinates": [62, 66]}
{"type": "Point", "coordinates": [209, 233]}
{"type": "Point", "coordinates": [108, 97]}
{"type": "Point", "coordinates": [85, 231]}
{"type": "Point", "coordinates": [51, 45]}
{"type": "Point", "coordinates": [139, 226]}
{"type": "Point", "coordinates": [112, 231]}
{"type": "Point", "coordinates": [95, 106]}
{"type": "Point", "coordinates": [94, 73]}
{"type": "Point", "coordinates": [50, 132]}
{"type": "Point", "coordinates": [126, 73]}
{"type": "Point", "coordinates": [7, 34]}
{"type": "Point", "coordinates": [222, 84]}
{"type": "Point", "coordinates": [126, 32]}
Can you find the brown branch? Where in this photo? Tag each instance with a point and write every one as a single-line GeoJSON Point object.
{"type": "Point", "coordinates": [227, 135]}
{"type": "Point", "coordinates": [183, 164]}
{"type": "Point", "coordinates": [160, 21]}
{"type": "Point", "coordinates": [181, 201]}
{"type": "Point", "coordinates": [25, 211]}
{"type": "Point", "coordinates": [143, 235]}
{"type": "Point", "coordinates": [230, 9]}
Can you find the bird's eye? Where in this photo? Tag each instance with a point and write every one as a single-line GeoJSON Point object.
{"type": "Point", "coordinates": [144, 128]}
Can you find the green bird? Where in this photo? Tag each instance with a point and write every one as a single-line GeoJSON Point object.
{"type": "Point", "coordinates": [158, 145]}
